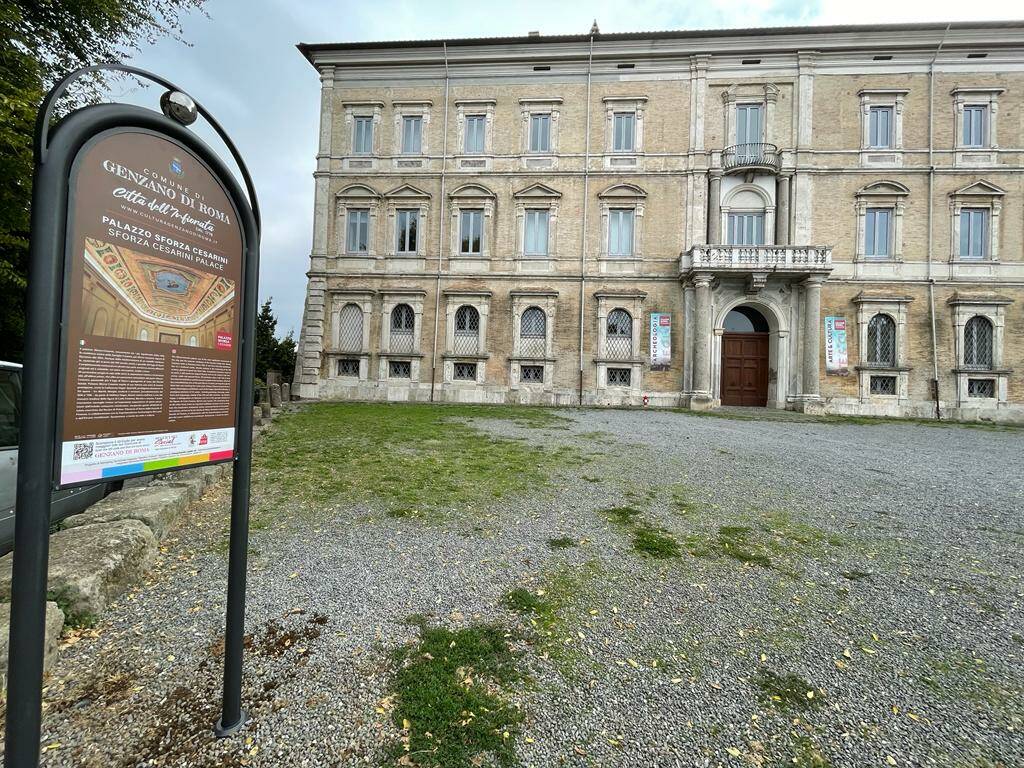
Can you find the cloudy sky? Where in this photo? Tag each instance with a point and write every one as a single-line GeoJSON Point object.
{"type": "Point", "coordinates": [243, 66]}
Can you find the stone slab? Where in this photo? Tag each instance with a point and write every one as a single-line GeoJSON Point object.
{"type": "Point", "coordinates": [54, 626]}
{"type": "Point", "coordinates": [90, 565]}
{"type": "Point", "coordinates": [157, 505]}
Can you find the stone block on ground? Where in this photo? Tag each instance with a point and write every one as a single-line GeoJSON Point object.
{"type": "Point", "coordinates": [192, 479]}
{"type": "Point", "coordinates": [157, 505]}
{"type": "Point", "coordinates": [257, 415]}
{"type": "Point", "coordinates": [286, 392]}
{"type": "Point", "coordinates": [54, 626]}
{"type": "Point", "coordinates": [275, 396]}
{"type": "Point", "coordinates": [265, 408]}
{"type": "Point", "coordinates": [90, 565]}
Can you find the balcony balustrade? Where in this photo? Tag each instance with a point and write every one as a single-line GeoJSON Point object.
{"type": "Point", "coordinates": [742, 260]}
{"type": "Point", "coordinates": [740, 157]}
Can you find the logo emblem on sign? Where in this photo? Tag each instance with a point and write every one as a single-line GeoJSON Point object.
{"type": "Point", "coordinates": [176, 167]}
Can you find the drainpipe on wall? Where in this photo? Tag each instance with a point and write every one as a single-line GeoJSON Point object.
{"type": "Point", "coordinates": [440, 227]}
{"type": "Point", "coordinates": [931, 205]}
{"type": "Point", "coordinates": [586, 208]}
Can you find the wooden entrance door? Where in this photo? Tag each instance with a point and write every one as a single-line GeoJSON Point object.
{"type": "Point", "coordinates": [745, 369]}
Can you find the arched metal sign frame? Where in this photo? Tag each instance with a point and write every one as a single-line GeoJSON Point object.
{"type": "Point", "coordinates": [56, 151]}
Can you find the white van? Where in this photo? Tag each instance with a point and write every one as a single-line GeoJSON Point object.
{"type": "Point", "coordinates": [68, 502]}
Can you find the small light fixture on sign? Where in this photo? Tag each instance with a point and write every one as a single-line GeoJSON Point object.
{"type": "Point", "coordinates": [179, 106]}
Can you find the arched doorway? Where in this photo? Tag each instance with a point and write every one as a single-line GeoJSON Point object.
{"type": "Point", "coordinates": [745, 342]}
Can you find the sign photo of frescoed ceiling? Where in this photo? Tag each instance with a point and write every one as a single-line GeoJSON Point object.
{"type": "Point", "coordinates": [158, 290]}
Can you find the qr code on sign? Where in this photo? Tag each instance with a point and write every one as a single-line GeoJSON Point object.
{"type": "Point", "coordinates": [83, 451]}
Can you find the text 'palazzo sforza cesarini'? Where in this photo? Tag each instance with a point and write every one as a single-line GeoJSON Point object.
{"type": "Point", "coordinates": [826, 219]}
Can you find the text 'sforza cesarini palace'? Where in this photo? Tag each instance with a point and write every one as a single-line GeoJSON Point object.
{"type": "Point", "coordinates": [817, 218]}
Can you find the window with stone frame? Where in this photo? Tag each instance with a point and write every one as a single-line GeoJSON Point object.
{"type": "Point", "coordinates": [882, 320]}
{"type": "Point", "coordinates": [474, 124]}
{"type": "Point", "coordinates": [472, 210]}
{"type": "Point", "coordinates": [975, 223]}
{"type": "Point", "coordinates": [411, 120]}
{"type": "Point", "coordinates": [465, 372]}
{"type": "Point", "coordinates": [619, 314]}
{"type": "Point", "coordinates": [979, 322]}
{"type": "Point", "coordinates": [881, 112]}
{"type": "Point", "coordinates": [540, 119]}
{"type": "Point", "coordinates": [976, 122]}
{"type": "Point", "coordinates": [624, 120]}
{"type": "Point", "coordinates": [533, 318]}
{"type": "Point", "coordinates": [362, 135]}
{"type": "Point", "coordinates": [531, 374]}
{"type": "Point", "coordinates": [622, 212]}
{"type": "Point", "coordinates": [880, 207]}
{"type": "Point", "coordinates": [399, 369]}
{"type": "Point", "coordinates": [533, 333]}
{"type": "Point", "coordinates": [362, 119]}
{"type": "Point", "coordinates": [348, 349]}
{"type": "Point", "coordinates": [407, 217]}
{"type": "Point", "coordinates": [348, 367]}
{"type": "Point", "coordinates": [536, 208]}
{"type": "Point", "coordinates": [358, 208]}
{"type": "Point", "coordinates": [466, 313]}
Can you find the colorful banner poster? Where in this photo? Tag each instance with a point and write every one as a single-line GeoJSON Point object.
{"type": "Point", "coordinates": [836, 360]}
{"type": "Point", "coordinates": [661, 339]}
{"type": "Point", "coordinates": [151, 355]}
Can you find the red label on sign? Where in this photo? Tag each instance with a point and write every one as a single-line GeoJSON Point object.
{"type": "Point", "coordinates": [840, 325]}
{"type": "Point", "coordinates": [223, 340]}
{"type": "Point", "coordinates": [664, 320]}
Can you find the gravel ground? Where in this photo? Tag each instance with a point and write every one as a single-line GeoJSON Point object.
{"type": "Point", "coordinates": [892, 603]}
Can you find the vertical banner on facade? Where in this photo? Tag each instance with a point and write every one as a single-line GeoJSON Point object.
{"type": "Point", "coordinates": [154, 269]}
{"type": "Point", "coordinates": [661, 340]}
{"type": "Point", "coordinates": [836, 361]}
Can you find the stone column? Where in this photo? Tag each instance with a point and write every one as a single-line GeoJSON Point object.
{"type": "Point", "coordinates": [782, 211]}
{"type": "Point", "coordinates": [701, 396]}
{"type": "Point", "coordinates": [715, 208]}
{"type": "Point", "coordinates": [812, 340]}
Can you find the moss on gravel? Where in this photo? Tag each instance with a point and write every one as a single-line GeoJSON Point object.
{"type": "Point", "coordinates": [449, 704]}
{"type": "Point", "coordinates": [787, 692]}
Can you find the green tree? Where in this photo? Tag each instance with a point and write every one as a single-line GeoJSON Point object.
{"type": "Point", "coordinates": [272, 354]}
{"type": "Point", "coordinates": [41, 41]}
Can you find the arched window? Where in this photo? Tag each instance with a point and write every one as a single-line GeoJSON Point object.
{"type": "Point", "coordinates": [403, 326]}
{"type": "Point", "coordinates": [620, 335]}
{"type": "Point", "coordinates": [533, 328]}
{"type": "Point", "coordinates": [881, 340]}
{"type": "Point", "coordinates": [99, 323]}
{"type": "Point", "coordinates": [193, 341]}
{"type": "Point", "coordinates": [978, 343]}
{"type": "Point", "coordinates": [143, 335]}
{"type": "Point", "coordinates": [467, 330]}
{"type": "Point", "coordinates": [350, 329]}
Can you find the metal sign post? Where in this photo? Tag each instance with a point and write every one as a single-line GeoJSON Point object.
{"type": "Point", "coordinates": [121, 192]}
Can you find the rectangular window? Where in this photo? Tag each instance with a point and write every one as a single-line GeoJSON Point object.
{"type": "Point", "coordinates": [348, 366]}
{"type": "Point", "coordinates": [412, 135]}
{"type": "Point", "coordinates": [362, 136]}
{"type": "Point", "coordinates": [540, 133]}
{"type": "Point", "coordinates": [619, 377]}
{"type": "Point", "coordinates": [624, 131]}
{"type": "Point", "coordinates": [475, 125]}
{"type": "Point", "coordinates": [877, 237]}
{"type": "Point", "coordinates": [746, 229]}
{"type": "Point", "coordinates": [973, 233]}
{"type": "Point", "coordinates": [399, 369]}
{"type": "Point", "coordinates": [536, 236]}
{"type": "Point", "coordinates": [465, 372]}
{"type": "Point", "coordinates": [620, 231]}
{"type": "Point", "coordinates": [358, 239]}
{"type": "Point", "coordinates": [880, 127]}
{"type": "Point", "coordinates": [975, 128]}
{"type": "Point", "coordinates": [883, 385]}
{"type": "Point", "coordinates": [748, 124]}
{"type": "Point", "coordinates": [407, 223]}
{"type": "Point", "coordinates": [981, 388]}
{"type": "Point", "coordinates": [471, 228]}
{"type": "Point", "coordinates": [531, 374]}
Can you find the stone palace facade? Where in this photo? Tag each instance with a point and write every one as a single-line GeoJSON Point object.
{"type": "Point", "coordinates": [817, 218]}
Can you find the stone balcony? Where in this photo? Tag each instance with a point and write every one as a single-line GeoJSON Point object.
{"type": "Point", "coordinates": [751, 157]}
{"type": "Point", "coordinates": [757, 262]}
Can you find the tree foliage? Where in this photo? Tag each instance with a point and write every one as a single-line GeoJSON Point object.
{"type": "Point", "coordinates": [41, 41]}
{"type": "Point", "coordinates": [272, 354]}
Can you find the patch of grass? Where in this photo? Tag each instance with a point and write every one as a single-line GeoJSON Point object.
{"type": "Point", "coordinates": [448, 700]}
{"type": "Point", "coordinates": [806, 755]}
{"type": "Point", "coordinates": [789, 693]}
{"type": "Point", "coordinates": [562, 542]}
{"type": "Point", "coordinates": [418, 459]}
{"type": "Point", "coordinates": [622, 516]}
{"type": "Point", "coordinates": [655, 542]}
{"type": "Point", "coordinates": [532, 605]}
{"type": "Point", "coordinates": [734, 541]}
{"type": "Point", "coordinates": [856, 575]}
